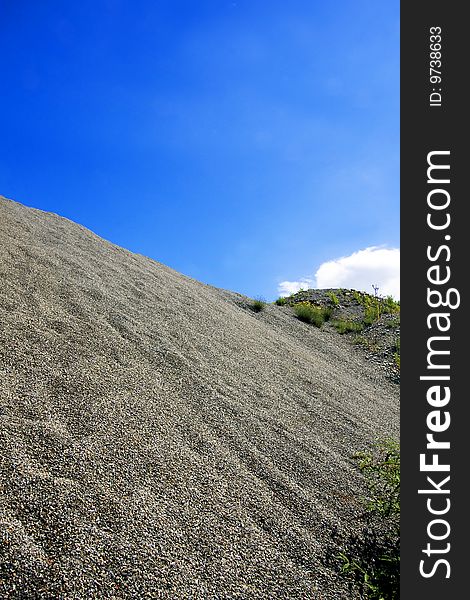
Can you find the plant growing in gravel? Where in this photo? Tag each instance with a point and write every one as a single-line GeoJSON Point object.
{"type": "Point", "coordinates": [382, 472]}
{"type": "Point", "coordinates": [309, 313]}
{"type": "Point", "coordinates": [281, 301]}
{"type": "Point", "coordinates": [360, 340]}
{"type": "Point", "coordinates": [391, 306]}
{"type": "Point", "coordinates": [357, 297]}
{"type": "Point", "coordinates": [396, 358]}
{"type": "Point", "coordinates": [258, 305]}
{"type": "Point", "coordinates": [344, 326]}
{"type": "Point", "coordinates": [334, 298]}
{"type": "Point", "coordinates": [370, 316]}
{"type": "Point", "coordinates": [375, 563]}
{"type": "Point", "coordinates": [392, 323]}
{"type": "Point", "coordinates": [372, 309]}
{"type": "Point", "coordinates": [374, 306]}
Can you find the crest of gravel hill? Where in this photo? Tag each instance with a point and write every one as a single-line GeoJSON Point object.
{"type": "Point", "coordinates": [160, 439]}
{"type": "Point", "coordinates": [378, 339]}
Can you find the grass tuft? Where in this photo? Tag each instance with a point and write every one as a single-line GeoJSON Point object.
{"type": "Point", "coordinates": [344, 326]}
{"type": "Point", "coordinates": [258, 305]}
{"type": "Point", "coordinates": [314, 315]}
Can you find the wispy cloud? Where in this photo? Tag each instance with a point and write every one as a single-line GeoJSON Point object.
{"type": "Point", "coordinates": [360, 270]}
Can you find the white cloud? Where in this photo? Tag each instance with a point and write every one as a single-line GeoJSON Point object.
{"type": "Point", "coordinates": [378, 266]}
{"type": "Point", "coordinates": [362, 269]}
{"type": "Point", "coordinates": [286, 288]}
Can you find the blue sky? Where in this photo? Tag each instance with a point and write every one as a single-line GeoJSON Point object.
{"type": "Point", "coordinates": [243, 143]}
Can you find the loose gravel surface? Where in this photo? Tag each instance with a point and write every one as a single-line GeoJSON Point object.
{"type": "Point", "coordinates": [160, 439]}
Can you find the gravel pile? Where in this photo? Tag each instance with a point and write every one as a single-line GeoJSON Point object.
{"type": "Point", "coordinates": [159, 439]}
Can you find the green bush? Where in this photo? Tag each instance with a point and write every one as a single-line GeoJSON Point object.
{"type": "Point", "coordinates": [375, 563]}
{"type": "Point", "coordinates": [281, 301]}
{"type": "Point", "coordinates": [309, 313]}
{"type": "Point", "coordinates": [258, 305]}
{"type": "Point", "coordinates": [344, 326]}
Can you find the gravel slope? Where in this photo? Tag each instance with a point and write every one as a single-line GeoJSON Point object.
{"type": "Point", "coordinates": [161, 440]}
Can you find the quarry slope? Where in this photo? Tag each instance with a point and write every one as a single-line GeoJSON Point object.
{"type": "Point", "coordinates": [159, 439]}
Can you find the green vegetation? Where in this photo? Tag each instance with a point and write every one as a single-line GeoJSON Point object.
{"type": "Point", "coordinates": [258, 305]}
{"type": "Point", "coordinates": [344, 326]}
{"type": "Point", "coordinates": [372, 309]}
{"type": "Point", "coordinates": [314, 315]}
{"type": "Point", "coordinates": [372, 306]}
{"type": "Point", "coordinates": [281, 301]}
{"type": "Point", "coordinates": [375, 307]}
{"type": "Point", "coordinates": [371, 315]}
{"type": "Point", "coordinates": [370, 345]}
{"type": "Point", "coordinates": [382, 472]}
{"type": "Point", "coordinates": [391, 306]}
{"type": "Point", "coordinates": [375, 563]}
{"type": "Point", "coordinates": [334, 298]}
{"type": "Point", "coordinates": [396, 356]}
{"type": "Point", "coordinates": [357, 296]}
